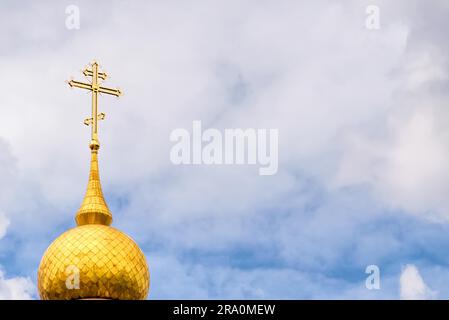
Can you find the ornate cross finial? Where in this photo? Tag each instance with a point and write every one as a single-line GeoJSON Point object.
{"type": "Point", "coordinates": [95, 87]}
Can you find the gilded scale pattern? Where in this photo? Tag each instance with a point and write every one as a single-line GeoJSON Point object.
{"type": "Point", "coordinates": [111, 265]}
{"type": "Point", "coordinates": [108, 263]}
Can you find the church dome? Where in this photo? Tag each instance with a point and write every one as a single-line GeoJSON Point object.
{"type": "Point", "coordinates": [93, 261]}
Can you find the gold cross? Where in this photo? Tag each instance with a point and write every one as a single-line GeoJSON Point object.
{"type": "Point", "coordinates": [95, 88]}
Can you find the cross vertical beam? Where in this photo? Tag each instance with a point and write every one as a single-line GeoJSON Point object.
{"type": "Point", "coordinates": [95, 101]}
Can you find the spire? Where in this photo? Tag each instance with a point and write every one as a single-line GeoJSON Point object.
{"type": "Point", "coordinates": [94, 209]}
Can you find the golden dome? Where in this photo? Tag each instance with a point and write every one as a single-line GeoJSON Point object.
{"type": "Point", "coordinates": [108, 264]}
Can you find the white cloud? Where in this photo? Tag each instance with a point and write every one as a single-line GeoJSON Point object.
{"type": "Point", "coordinates": [402, 154]}
{"type": "Point", "coordinates": [16, 288]}
{"type": "Point", "coordinates": [412, 285]}
{"type": "Point", "coordinates": [4, 223]}
{"type": "Point", "coordinates": [405, 159]}
{"type": "Point", "coordinates": [7, 174]}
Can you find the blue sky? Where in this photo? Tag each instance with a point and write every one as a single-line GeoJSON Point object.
{"type": "Point", "coordinates": [363, 135]}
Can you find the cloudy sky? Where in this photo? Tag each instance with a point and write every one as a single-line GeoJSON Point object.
{"type": "Point", "coordinates": [363, 124]}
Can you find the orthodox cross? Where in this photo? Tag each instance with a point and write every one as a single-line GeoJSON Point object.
{"type": "Point", "coordinates": [95, 87]}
